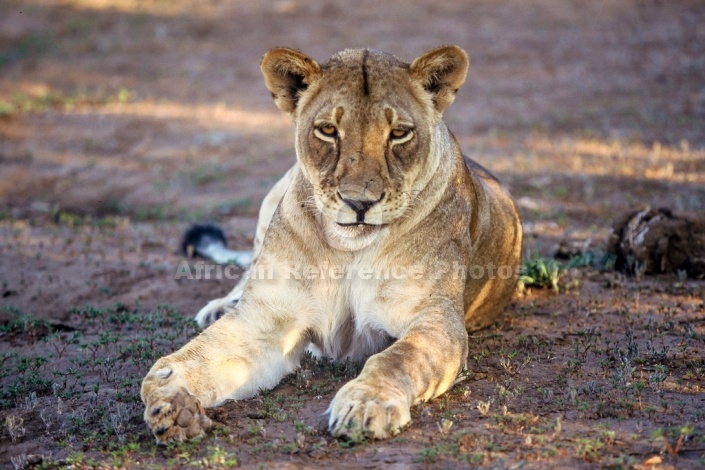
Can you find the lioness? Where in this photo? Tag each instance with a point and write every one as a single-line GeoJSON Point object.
{"type": "Point", "coordinates": [385, 243]}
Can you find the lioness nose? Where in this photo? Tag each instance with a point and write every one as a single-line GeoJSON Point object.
{"type": "Point", "coordinates": [359, 203]}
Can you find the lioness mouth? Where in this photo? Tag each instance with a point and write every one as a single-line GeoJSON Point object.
{"type": "Point", "coordinates": [358, 229]}
{"type": "Point", "coordinates": [361, 224]}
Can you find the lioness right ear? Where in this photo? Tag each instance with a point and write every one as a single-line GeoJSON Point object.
{"type": "Point", "coordinates": [287, 73]}
{"type": "Point", "coordinates": [441, 71]}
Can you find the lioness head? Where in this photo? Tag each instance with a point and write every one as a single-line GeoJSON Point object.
{"type": "Point", "coordinates": [366, 126]}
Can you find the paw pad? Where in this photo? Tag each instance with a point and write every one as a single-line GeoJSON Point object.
{"type": "Point", "coordinates": [185, 418]}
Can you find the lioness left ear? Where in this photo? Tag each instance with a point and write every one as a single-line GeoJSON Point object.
{"type": "Point", "coordinates": [441, 71]}
{"type": "Point", "coordinates": [287, 73]}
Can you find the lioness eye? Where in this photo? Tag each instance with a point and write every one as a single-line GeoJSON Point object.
{"type": "Point", "coordinates": [328, 129]}
{"type": "Point", "coordinates": [399, 133]}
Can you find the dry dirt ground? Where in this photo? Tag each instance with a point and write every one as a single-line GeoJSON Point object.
{"type": "Point", "coordinates": [122, 121]}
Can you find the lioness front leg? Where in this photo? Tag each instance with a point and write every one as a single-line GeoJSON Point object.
{"type": "Point", "coordinates": [235, 359]}
{"type": "Point", "coordinates": [422, 364]}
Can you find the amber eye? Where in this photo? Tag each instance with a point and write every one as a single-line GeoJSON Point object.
{"type": "Point", "coordinates": [400, 133]}
{"type": "Point", "coordinates": [328, 130]}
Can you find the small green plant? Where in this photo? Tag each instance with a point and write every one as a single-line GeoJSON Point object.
{"type": "Point", "coordinates": [123, 456]}
{"type": "Point", "coordinates": [596, 259]}
{"type": "Point", "coordinates": [428, 455]}
{"type": "Point", "coordinates": [444, 426]}
{"type": "Point", "coordinates": [217, 458]}
{"type": "Point", "coordinates": [14, 426]}
{"type": "Point", "coordinates": [355, 436]}
{"type": "Point", "coordinates": [674, 437]}
{"type": "Point", "coordinates": [24, 325]}
{"type": "Point", "coordinates": [484, 407]}
{"type": "Point", "coordinates": [541, 272]}
{"type": "Point", "coordinates": [588, 449]}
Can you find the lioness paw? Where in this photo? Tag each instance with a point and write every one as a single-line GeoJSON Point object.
{"type": "Point", "coordinates": [362, 409]}
{"type": "Point", "coordinates": [172, 413]}
{"type": "Point", "coordinates": [214, 310]}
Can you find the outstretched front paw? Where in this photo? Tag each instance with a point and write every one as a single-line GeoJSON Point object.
{"type": "Point", "coordinates": [172, 413]}
{"type": "Point", "coordinates": [361, 408]}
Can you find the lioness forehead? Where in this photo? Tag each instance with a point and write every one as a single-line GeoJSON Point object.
{"type": "Point", "coordinates": [365, 57]}
{"type": "Point", "coordinates": [365, 73]}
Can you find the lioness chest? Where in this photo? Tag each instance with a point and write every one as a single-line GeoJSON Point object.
{"type": "Point", "coordinates": [360, 305]}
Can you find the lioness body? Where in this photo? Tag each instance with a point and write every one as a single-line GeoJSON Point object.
{"type": "Point", "coordinates": [384, 244]}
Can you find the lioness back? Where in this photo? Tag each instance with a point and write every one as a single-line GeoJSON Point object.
{"type": "Point", "coordinates": [499, 263]}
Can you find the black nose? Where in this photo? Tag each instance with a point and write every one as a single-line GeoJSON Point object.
{"type": "Point", "coordinates": [360, 206]}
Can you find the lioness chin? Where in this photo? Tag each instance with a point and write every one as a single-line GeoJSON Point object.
{"type": "Point", "coordinates": [382, 242]}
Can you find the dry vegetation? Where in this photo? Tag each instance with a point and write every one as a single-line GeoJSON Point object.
{"type": "Point", "coordinates": [122, 121]}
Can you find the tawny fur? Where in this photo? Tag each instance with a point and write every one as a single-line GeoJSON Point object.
{"type": "Point", "coordinates": [382, 202]}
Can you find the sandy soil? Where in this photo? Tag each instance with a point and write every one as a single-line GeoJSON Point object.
{"type": "Point", "coordinates": [122, 121]}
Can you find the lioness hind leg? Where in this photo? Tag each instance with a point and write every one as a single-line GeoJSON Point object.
{"type": "Point", "coordinates": [216, 308]}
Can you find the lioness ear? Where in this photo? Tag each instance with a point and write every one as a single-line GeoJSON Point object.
{"type": "Point", "coordinates": [287, 73]}
{"type": "Point", "coordinates": [441, 71]}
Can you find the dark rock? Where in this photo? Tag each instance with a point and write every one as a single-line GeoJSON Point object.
{"type": "Point", "coordinates": [654, 241]}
